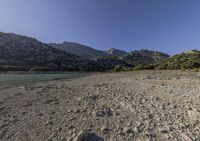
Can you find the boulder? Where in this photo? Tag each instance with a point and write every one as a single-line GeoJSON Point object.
{"type": "Point", "coordinates": [86, 136]}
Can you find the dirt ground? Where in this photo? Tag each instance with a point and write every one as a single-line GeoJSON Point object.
{"type": "Point", "coordinates": [132, 106]}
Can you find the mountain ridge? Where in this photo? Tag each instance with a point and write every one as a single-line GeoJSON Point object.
{"type": "Point", "coordinates": [17, 50]}
{"type": "Point", "coordinates": [115, 52]}
{"type": "Point", "coordinates": [27, 52]}
{"type": "Point", "coordinates": [78, 49]}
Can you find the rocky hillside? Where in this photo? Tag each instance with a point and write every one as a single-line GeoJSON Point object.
{"type": "Point", "coordinates": [141, 59]}
{"type": "Point", "coordinates": [17, 50]}
{"type": "Point", "coordinates": [185, 60]}
{"type": "Point", "coordinates": [24, 53]}
{"type": "Point", "coordinates": [144, 56]}
{"type": "Point", "coordinates": [112, 58]}
{"type": "Point", "coordinates": [115, 52]}
{"type": "Point", "coordinates": [108, 63]}
{"type": "Point", "coordinates": [78, 49]}
{"type": "Point", "coordinates": [86, 51]}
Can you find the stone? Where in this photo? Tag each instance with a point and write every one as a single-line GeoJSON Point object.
{"type": "Point", "coordinates": [104, 130]}
{"type": "Point", "coordinates": [194, 114]}
{"type": "Point", "coordinates": [186, 137]}
{"type": "Point", "coordinates": [49, 122]}
{"type": "Point", "coordinates": [127, 130]}
{"type": "Point", "coordinates": [99, 113]}
{"type": "Point", "coordinates": [84, 135]}
{"type": "Point", "coordinates": [81, 135]}
{"type": "Point", "coordinates": [77, 111]}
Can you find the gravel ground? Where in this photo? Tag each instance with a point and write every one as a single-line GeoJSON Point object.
{"type": "Point", "coordinates": [134, 106]}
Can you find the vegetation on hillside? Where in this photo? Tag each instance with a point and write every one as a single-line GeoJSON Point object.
{"type": "Point", "coordinates": [186, 60]}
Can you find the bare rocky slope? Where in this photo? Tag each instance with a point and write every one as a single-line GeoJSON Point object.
{"type": "Point", "coordinates": [144, 56]}
{"type": "Point", "coordinates": [115, 52]}
{"type": "Point", "coordinates": [111, 55]}
{"type": "Point", "coordinates": [135, 106]}
{"type": "Point", "coordinates": [22, 51]}
{"type": "Point", "coordinates": [86, 51]}
{"type": "Point", "coordinates": [78, 49]}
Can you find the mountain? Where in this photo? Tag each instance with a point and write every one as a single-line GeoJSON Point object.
{"type": "Point", "coordinates": [139, 56]}
{"type": "Point", "coordinates": [78, 49]}
{"type": "Point", "coordinates": [138, 59]}
{"type": "Point", "coordinates": [24, 53]}
{"type": "Point", "coordinates": [86, 51]}
{"type": "Point", "coordinates": [115, 52]}
{"type": "Point", "coordinates": [143, 56]}
{"type": "Point", "coordinates": [185, 60]}
{"type": "Point", "coordinates": [17, 50]}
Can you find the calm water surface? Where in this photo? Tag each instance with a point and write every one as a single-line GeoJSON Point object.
{"type": "Point", "coordinates": [13, 79]}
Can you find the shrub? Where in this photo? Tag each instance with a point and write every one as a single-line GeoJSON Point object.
{"type": "Point", "coordinates": [118, 68]}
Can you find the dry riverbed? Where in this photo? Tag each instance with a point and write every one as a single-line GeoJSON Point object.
{"type": "Point", "coordinates": [134, 106]}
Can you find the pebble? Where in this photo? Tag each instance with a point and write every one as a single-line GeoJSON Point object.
{"type": "Point", "coordinates": [104, 129]}
{"type": "Point", "coordinates": [127, 130]}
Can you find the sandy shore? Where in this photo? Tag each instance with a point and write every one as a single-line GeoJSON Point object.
{"type": "Point", "coordinates": [135, 106]}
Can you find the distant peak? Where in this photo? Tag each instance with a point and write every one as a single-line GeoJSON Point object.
{"type": "Point", "coordinates": [191, 51]}
{"type": "Point", "coordinates": [144, 50]}
{"type": "Point", "coordinates": [65, 42]}
{"type": "Point", "coordinates": [74, 43]}
{"type": "Point", "coordinates": [114, 51]}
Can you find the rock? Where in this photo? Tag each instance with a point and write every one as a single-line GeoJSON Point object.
{"type": "Point", "coordinates": [77, 111]}
{"type": "Point", "coordinates": [47, 101]}
{"type": "Point", "coordinates": [98, 113]}
{"type": "Point", "coordinates": [1, 134]}
{"type": "Point", "coordinates": [186, 137]}
{"type": "Point", "coordinates": [70, 111]}
{"type": "Point", "coordinates": [71, 127]}
{"type": "Point", "coordinates": [129, 124]}
{"type": "Point", "coordinates": [135, 130]}
{"type": "Point", "coordinates": [127, 130]}
{"type": "Point", "coordinates": [104, 130]}
{"type": "Point", "coordinates": [70, 139]}
{"type": "Point", "coordinates": [79, 99]}
{"type": "Point", "coordinates": [108, 111]}
{"type": "Point", "coordinates": [150, 133]}
{"type": "Point", "coordinates": [40, 114]}
{"type": "Point", "coordinates": [81, 135]}
{"type": "Point", "coordinates": [194, 114]}
{"type": "Point", "coordinates": [59, 129]}
{"type": "Point", "coordinates": [27, 104]}
{"type": "Point", "coordinates": [103, 112]}
{"type": "Point", "coordinates": [2, 107]}
{"type": "Point", "coordinates": [138, 123]}
{"type": "Point", "coordinates": [49, 122]}
{"type": "Point", "coordinates": [93, 97]}
{"type": "Point", "coordinates": [86, 136]}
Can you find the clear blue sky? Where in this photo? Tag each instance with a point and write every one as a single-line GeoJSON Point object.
{"type": "Point", "coordinates": [171, 26]}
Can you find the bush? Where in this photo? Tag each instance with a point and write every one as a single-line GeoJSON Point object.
{"type": "Point", "coordinates": [118, 68]}
{"type": "Point", "coordinates": [182, 61]}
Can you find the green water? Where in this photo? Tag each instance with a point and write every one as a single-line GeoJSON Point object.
{"type": "Point", "coordinates": [14, 79]}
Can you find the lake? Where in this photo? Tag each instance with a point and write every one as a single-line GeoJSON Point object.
{"type": "Point", "coordinates": [13, 79]}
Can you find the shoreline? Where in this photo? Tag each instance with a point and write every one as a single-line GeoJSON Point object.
{"type": "Point", "coordinates": [32, 78]}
